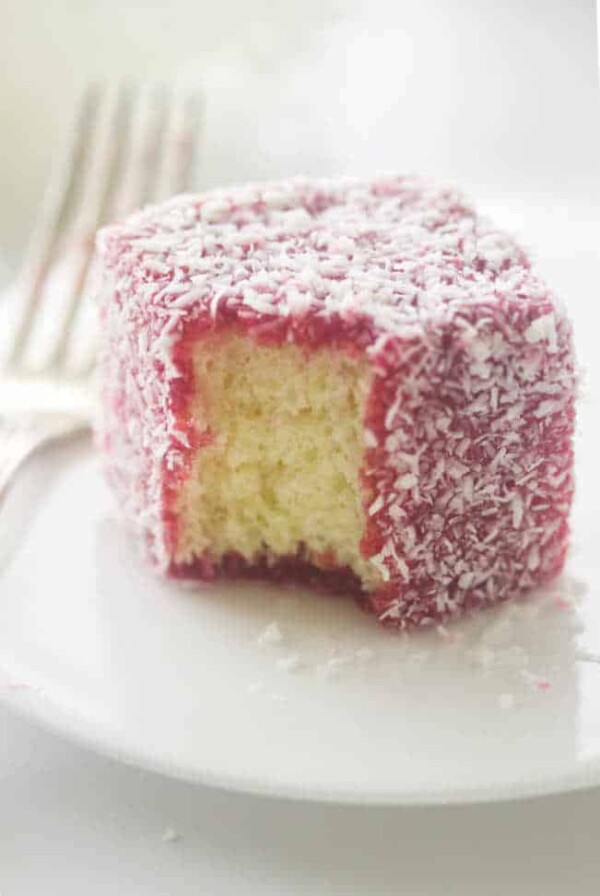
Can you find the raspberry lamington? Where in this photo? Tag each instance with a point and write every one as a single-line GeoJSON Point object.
{"type": "Point", "coordinates": [359, 384]}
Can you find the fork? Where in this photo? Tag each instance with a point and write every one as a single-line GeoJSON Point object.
{"type": "Point", "coordinates": [129, 145]}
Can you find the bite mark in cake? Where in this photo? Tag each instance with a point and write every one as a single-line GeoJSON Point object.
{"type": "Point", "coordinates": [360, 384]}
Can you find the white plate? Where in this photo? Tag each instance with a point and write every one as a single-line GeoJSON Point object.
{"type": "Point", "coordinates": [178, 681]}
{"type": "Point", "coordinates": [94, 647]}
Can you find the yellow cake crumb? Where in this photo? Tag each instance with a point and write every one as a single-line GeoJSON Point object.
{"type": "Point", "coordinates": [283, 469]}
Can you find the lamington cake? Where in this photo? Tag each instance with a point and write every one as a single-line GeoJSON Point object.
{"type": "Point", "coordinates": [358, 384]}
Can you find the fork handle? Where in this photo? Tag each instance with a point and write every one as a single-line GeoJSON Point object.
{"type": "Point", "coordinates": [21, 442]}
{"type": "Point", "coordinates": [19, 449]}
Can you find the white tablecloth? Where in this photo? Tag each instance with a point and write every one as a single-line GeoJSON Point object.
{"type": "Point", "coordinates": [72, 823]}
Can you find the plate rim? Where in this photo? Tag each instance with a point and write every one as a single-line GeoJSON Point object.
{"type": "Point", "coordinates": [42, 712]}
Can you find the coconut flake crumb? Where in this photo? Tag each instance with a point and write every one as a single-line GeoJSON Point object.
{"type": "Point", "coordinates": [542, 328]}
{"type": "Point", "coordinates": [271, 635]}
{"type": "Point", "coordinates": [483, 657]}
{"type": "Point", "coordinates": [170, 835]}
{"type": "Point", "coordinates": [289, 663]}
{"type": "Point", "coordinates": [333, 666]}
{"type": "Point", "coordinates": [536, 681]}
{"type": "Point", "coordinates": [278, 698]}
{"type": "Point", "coordinates": [506, 701]}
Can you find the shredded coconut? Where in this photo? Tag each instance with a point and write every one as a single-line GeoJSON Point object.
{"type": "Point", "coordinates": [506, 701]}
{"type": "Point", "coordinates": [170, 835]}
{"type": "Point", "coordinates": [271, 635]}
{"type": "Point", "coordinates": [289, 663]}
{"type": "Point", "coordinates": [468, 428]}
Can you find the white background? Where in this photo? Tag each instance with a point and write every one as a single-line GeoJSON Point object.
{"type": "Point", "coordinates": [500, 96]}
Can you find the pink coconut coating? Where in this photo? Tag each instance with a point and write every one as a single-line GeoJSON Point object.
{"type": "Point", "coordinates": [468, 465]}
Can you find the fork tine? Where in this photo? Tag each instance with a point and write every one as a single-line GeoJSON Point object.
{"type": "Point", "coordinates": [151, 146]}
{"type": "Point", "coordinates": [139, 157]}
{"type": "Point", "coordinates": [93, 199]}
{"type": "Point", "coordinates": [50, 224]}
{"type": "Point", "coordinates": [194, 110]}
{"type": "Point", "coordinates": [178, 144]}
{"type": "Point", "coordinates": [131, 144]}
{"type": "Point", "coordinates": [156, 123]}
{"type": "Point", "coordinates": [132, 188]}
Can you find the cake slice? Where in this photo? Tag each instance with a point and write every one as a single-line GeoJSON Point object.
{"type": "Point", "coordinates": [358, 384]}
